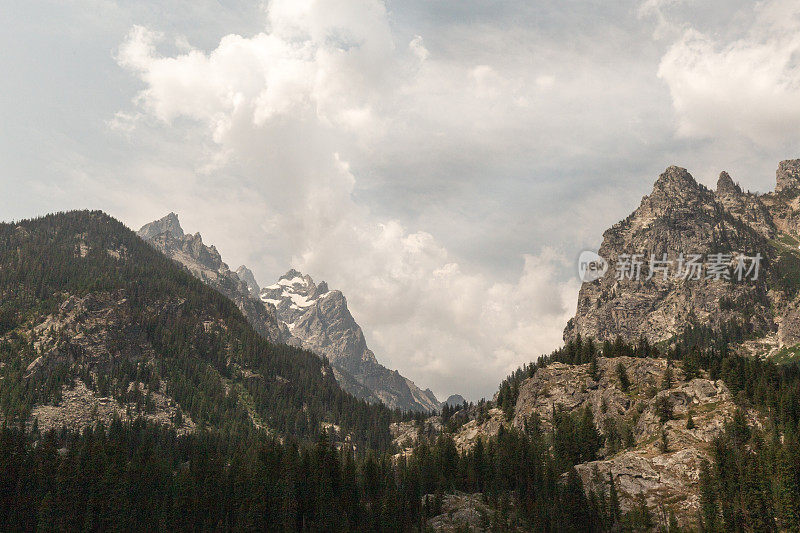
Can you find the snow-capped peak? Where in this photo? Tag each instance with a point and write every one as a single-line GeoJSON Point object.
{"type": "Point", "coordinates": [293, 292]}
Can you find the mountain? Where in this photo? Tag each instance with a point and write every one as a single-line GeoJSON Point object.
{"type": "Point", "coordinates": [96, 325]}
{"type": "Point", "coordinates": [297, 312]}
{"type": "Point", "coordinates": [319, 318]}
{"type": "Point", "coordinates": [681, 216]}
{"type": "Point", "coordinates": [246, 275]}
{"type": "Point", "coordinates": [205, 263]}
{"type": "Point", "coordinates": [455, 400]}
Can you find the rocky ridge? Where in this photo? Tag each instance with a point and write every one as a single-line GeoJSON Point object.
{"type": "Point", "coordinates": [681, 216]}
{"type": "Point", "coordinates": [96, 325]}
{"type": "Point", "coordinates": [639, 466]}
{"type": "Point", "coordinates": [297, 312]}
{"type": "Point", "coordinates": [205, 263]}
{"type": "Point", "coordinates": [321, 321]}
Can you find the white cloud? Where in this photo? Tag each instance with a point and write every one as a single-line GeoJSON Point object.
{"type": "Point", "coordinates": [284, 110]}
{"type": "Point", "coordinates": [747, 86]}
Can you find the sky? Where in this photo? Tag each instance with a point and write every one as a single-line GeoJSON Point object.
{"type": "Point", "coordinates": [442, 162]}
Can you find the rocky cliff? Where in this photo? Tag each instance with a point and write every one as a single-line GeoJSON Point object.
{"type": "Point", "coordinates": [321, 321]}
{"type": "Point", "coordinates": [636, 414]}
{"type": "Point", "coordinates": [630, 418]}
{"type": "Point", "coordinates": [97, 325]}
{"type": "Point", "coordinates": [652, 287]}
{"type": "Point", "coordinates": [205, 263]}
{"type": "Point", "coordinates": [297, 312]}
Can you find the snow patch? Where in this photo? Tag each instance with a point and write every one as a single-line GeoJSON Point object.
{"type": "Point", "coordinates": [300, 301]}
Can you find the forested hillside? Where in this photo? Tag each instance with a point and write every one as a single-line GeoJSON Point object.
{"type": "Point", "coordinates": [84, 301]}
{"type": "Point", "coordinates": [135, 397]}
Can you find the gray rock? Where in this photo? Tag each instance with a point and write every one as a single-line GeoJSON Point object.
{"type": "Point", "coordinates": [246, 275]}
{"type": "Point", "coordinates": [788, 175]}
{"type": "Point", "coordinates": [664, 478]}
{"type": "Point", "coordinates": [681, 216]}
{"type": "Point", "coordinates": [320, 320]}
{"type": "Point", "coordinates": [168, 224]}
{"type": "Point", "coordinates": [454, 400]}
{"type": "Point", "coordinates": [205, 263]}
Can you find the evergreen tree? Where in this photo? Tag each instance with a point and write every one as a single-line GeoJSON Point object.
{"type": "Point", "coordinates": [622, 375]}
{"type": "Point", "coordinates": [708, 499]}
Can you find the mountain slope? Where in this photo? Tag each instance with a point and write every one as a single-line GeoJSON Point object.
{"type": "Point", "coordinates": [319, 318]}
{"type": "Point", "coordinates": [93, 317]}
{"type": "Point", "coordinates": [323, 323]}
{"type": "Point", "coordinates": [682, 217]}
{"type": "Point", "coordinates": [205, 263]}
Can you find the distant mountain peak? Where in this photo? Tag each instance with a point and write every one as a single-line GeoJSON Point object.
{"type": "Point", "coordinates": [320, 320]}
{"type": "Point", "coordinates": [205, 263]}
{"type": "Point", "coordinates": [168, 224]}
{"type": "Point", "coordinates": [454, 400]}
{"type": "Point", "coordinates": [292, 274]}
{"type": "Point", "coordinates": [296, 311]}
{"type": "Point", "coordinates": [674, 179]}
{"type": "Point", "coordinates": [246, 275]}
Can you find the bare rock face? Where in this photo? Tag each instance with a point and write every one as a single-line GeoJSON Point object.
{"type": "Point", "coordinates": [747, 208]}
{"type": "Point", "coordinates": [664, 477]}
{"type": "Point", "coordinates": [406, 435]}
{"type": "Point", "coordinates": [320, 321]}
{"type": "Point", "coordinates": [681, 216]}
{"type": "Point", "coordinates": [205, 263]}
{"type": "Point", "coordinates": [98, 327]}
{"type": "Point", "coordinates": [469, 512]}
{"type": "Point", "coordinates": [788, 176]}
{"type": "Point", "coordinates": [468, 434]}
{"type": "Point", "coordinates": [726, 186]}
{"type": "Point", "coordinates": [81, 407]}
{"type": "Point", "coordinates": [168, 224]}
{"type": "Point", "coordinates": [246, 275]}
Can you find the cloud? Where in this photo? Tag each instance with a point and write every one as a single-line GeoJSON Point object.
{"type": "Point", "coordinates": [745, 86]}
{"type": "Point", "coordinates": [285, 111]}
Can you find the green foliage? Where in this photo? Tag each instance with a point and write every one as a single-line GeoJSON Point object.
{"type": "Point", "coordinates": [663, 443]}
{"type": "Point", "coordinates": [575, 438]}
{"type": "Point", "coordinates": [622, 376]}
{"type": "Point", "coordinates": [159, 308]}
{"type": "Point", "coordinates": [784, 272]}
{"type": "Point", "coordinates": [667, 381]}
{"type": "Point", "coordinates": [663, 408]}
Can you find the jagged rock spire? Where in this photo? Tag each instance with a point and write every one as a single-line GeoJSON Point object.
{"type": "Point", "coordinates": [246, 275]}
{"type": "Point", "coordinates": [675, 179]}
{"type": "Point", "coordinates": [725, 185]}
{"type": "Point", "coordinates": [167, 224]}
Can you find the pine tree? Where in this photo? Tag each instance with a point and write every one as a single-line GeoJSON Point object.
{"type": "Point", "coordinates": [708, 499]}
{"type": "Point", "coordinates": [593, 370]}
{"type": "Point", "coordinates": [788, 471]}
{"type": "Point", "coordinates": [666, 382]}
{"type": "Point", "coordinates": [622, 375]}
{"type": "Point", "coordinates": [663, 408]}
{"type": "Point", "coordinates": [613, 502]}
{"type": "Point", "coordinates": [663, 443]}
